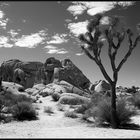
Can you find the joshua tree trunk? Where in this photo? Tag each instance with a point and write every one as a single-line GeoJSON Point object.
{"type": "Point", "coordinates": [113, 106]}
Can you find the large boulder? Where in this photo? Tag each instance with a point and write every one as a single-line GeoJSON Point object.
{"type": "Point", "coordinates": [32, 91]}
{"type": "Point", "coordinates": [56, 70]}
{"type": "Point", "coordinates": [72, 74]}
{"type": "Point", "coordinates": [73, 99]}
{"type": "Point", "coordinates": [13, 89]}
{"type": "Point", "coordinates": [73, 89]}
{"type": "Point", "coordinates": [6, 85]}
{"type": "Point", "coordinates": [40, 86]}
{"type": "Point", "coordinates": [102, 86]}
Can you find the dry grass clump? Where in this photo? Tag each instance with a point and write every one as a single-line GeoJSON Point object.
{"type": "Point", "coordinates": [60, 107]}
{"type": "Point", "coordinates": [48, 109]}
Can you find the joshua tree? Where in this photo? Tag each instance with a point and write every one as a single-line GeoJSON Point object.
{"type": "Point", "coordinates": [114, 33]}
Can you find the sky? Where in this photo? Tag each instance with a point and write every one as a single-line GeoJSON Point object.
{"type": "Point", "coordinates": [37, 30]}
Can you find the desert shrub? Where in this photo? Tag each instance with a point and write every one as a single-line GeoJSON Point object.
{"type": "Point", "coordinates": [82, 108]}
{"type": "Point", "coordinates": [102, 112]}
{"type": "Point", "coordinates": [132, 90]}
{"type": "Point", "coordinates": [55, 96]}
{"type": "Point", "coordinates": [24, 111]}
{"type": "Point", "coordinates": [12, 99]}
{"type": "Point", "coordinates": [70, 114]}
{"type": "Point", "coordinates": [60, 107]}
{"type": "Point", "coordinates": [136, 100]}
{"type": "Point", "coordinates": [48, 109]}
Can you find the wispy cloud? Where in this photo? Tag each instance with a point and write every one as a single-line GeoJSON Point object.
{"type": "Point", "coordinates": [3, 20]}
{"type": "Point", "coordinates": [55, 50]}
{"type": "Point", "coordinates": [4, 42]}
{"type": "Point", "coordinates": [58, 39]}
{"type": "Point", "coordinates": [79, 54]}
{"type": "Point", "coordinates": [78, 28]}
{"type": "Point", "coordinates": [77, 9]}
{"type": "Point", "coordinates": [31, 41]}
{"type": "Point", "coordinates": [13, 33]}
{"type": "Point", "coordinates": [92, 8]}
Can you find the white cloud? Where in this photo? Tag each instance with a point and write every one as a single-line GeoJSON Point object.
{"type": "Point", "coordinates": [68, 20]}
{"type": "Point", "coordinates": [93, 8]}
{"type": "Point", "coordinates": [58, 39]}
{"type": "Point", "coordinates": [4, 42]}
{"type": "Point", "coordinates": [105, 20]}
{"type": "Point", "coordinates": [13, 33]}
{"type": "Point", "coordinates": [78, 28]}
{"type": "Point", "coordinates": [55, 50]}
{"type": "Point", "coordinates": [50, 47]}
{"type": "Point", "coordinates": [3, 20]}
{"type": "Point", "coordinates": [29, 41]}
{"type": "Point", "coordinates": [76, 9]}
{"type": "Point", "coordinates": [79, 54]}
{"type": "Point", "coordinates": [62, 51]}
{"type": "Point", "coordinates": [125, 3]}
{"type": "Point", "coordinates": [1, 14]}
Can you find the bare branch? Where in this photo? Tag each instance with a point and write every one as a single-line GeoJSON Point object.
{"type": "Point", "coordinates": [136, 41]}
{"type": "Point", "coordinates": [87, 53]}
{"type": "Point", "coordinates": [124, 59]}
{"type": "Point", "coordinates": [99, 63]}
{"type": "Point", "coordinates": [84, 39]}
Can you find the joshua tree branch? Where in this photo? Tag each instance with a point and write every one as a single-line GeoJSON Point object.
{"type": "Point", "coordinates": [131, 47]}
{"type": "Point", "coordinates": [99, 63]}
{"type": "Point", "coordinates": [124, 59]}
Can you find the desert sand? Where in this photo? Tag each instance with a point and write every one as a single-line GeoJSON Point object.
{"type": "Point", "coordinates": [59, 126]}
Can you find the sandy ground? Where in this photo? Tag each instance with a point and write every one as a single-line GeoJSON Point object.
{"type": "Point", "coordinates": [58, 126]}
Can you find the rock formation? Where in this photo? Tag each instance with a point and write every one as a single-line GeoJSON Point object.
{"type": "Point", "coordinates": [65, 70]}
{"type": "Point", "coordinates": [102, 86]}
{"type": "Point", "coordinates": [23, 73]}
{"type": "Point", "coordinates": [52, 71]}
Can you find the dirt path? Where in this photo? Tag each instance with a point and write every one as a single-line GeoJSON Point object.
{"type": "Point", "coordinates": [58, 126]}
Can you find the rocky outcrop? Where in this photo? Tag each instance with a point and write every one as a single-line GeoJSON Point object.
{"type": "Point", "coordinates": [23, 73]}
{"type": "Point", "coordinates": [52, 71]}
{"type": "Point", "coordinates": [102, 86]}
{"type": "Point", "coordinates": [65, 70]}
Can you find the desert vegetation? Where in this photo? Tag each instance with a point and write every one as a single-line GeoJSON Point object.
{"type": "Point", "coordinates": [114, 33]}
{"type": "Point", "coordinates": [18, 107]}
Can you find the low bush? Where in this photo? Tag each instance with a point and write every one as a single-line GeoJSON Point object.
{"type": "Point", "coordinates": [24, 111]}
{"type": "Point", "coordinates": [60, 107]}
{"type": "Point", "coordinates": [102, 112]}
{"type": "Point", "coordinates": [11, 99]}
{"type": "Point", "coordinates": [48, 109]}
{"type": "Point", "coordinates": [70, 114]}
{"type": "Point", "coordinates": [136, 100]}
{"type": "Point", "coordinates": [82, 108]}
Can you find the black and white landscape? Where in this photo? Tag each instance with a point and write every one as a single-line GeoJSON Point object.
{"type": "Point", "coordinates": [69, 69]}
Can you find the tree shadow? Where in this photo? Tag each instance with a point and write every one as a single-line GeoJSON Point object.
{"type": "Point", "coordinates": [131, 126]}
